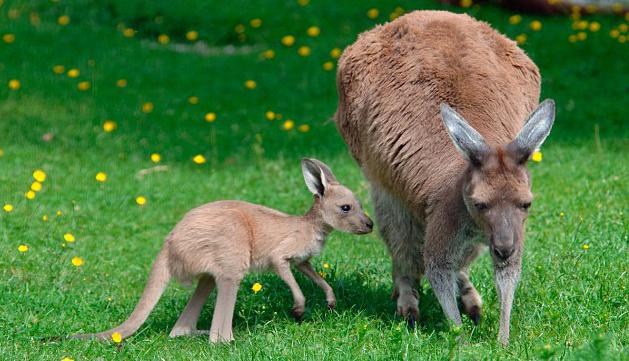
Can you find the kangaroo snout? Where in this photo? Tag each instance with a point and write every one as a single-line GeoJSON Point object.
{"type": "Point", "coordinates": [503, 251]}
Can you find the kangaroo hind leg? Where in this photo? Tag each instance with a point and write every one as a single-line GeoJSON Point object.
{"type": "Point", "coordinates": [186, 325]}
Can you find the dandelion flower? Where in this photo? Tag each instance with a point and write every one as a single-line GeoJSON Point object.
{"type": "Point", "coordinates": [582, 35]}
{"type": "Point", "coordinates": [466, 3]}
{"type": "Point", "coordinates": [373, 13]}
{"type": "Point", "coordinates": [14, 84]}
{"type": "Point", "coordinates": [594, 26]}
{"type": "Point", "coordinates": [536, 25]}
{"type": "Point", "coordinates": [303, 2]}
{"type": "Point", "coordinates": [22, 248]}
{"type": "Point", "coordinates": [623, 28]}
{"type": "Point", "coordinates": [59, 214]}
{"type": "Point", "coordinates": [8, 208]}
{"type": "Point", "coordinates": [515, 19]}
{"type": "Point", "coordinates": [147, 107]}
{"type": "Point", "coordinates": [36, 186]}
{"type": "Point", "coordinates": [288, 124]}
{"type": "Point", "coordinates": [163, 39]}
{"type": "Point", "coordinates": [44, 218]}
{"type": "Point", "coordinates": [140, 200]}
{"type": "Point", "coordinates": [156, 158]}
{"type": "Point", "coordinates": [255, 23]}
{"type": "Point", "coordinates": [210, 117]}
{"type": "Point", "coordinates": [128, 33]}
{"type": "Point", "coordinates": [288, 40]}
{"type": "Point", "coordinates": [67, 359]}
{"type": "Point", "coordinates": [614, 33]}
{"type": "Point", "coordinates": [116, 337]}
{"type": "Point", "coordinates": [69, 237]}
{"type": "Point", "coordinates": [109, 126]}
{"type": "Point", "coordinates": [572, 38]}
{"type": "Point", "coordinates": [74, 73]}
{"type": "Point", "coordinates": [326, 265]}
{"type": "Point", "coordinates": [303, 51]}
{"type": "Point", "coordinates": [313, 31]}
{"type": "Point", "coordinates": [193, 100]}
{"type": "Point", "coordinates": [256, 287]}
{"type": "Point", "coordinates": [199, 159]}
{"type": "Point", "coordinates": [304, 128]}
{"type": "Point", "coordinates": [101, 177]}
{"type": "Point", "coordinates": [192, 35]}
{"type": "Point", "coordinates": [537, 156]}
{"type": "Point", "coordinates": [77, 261]}
{"type": "Point", "coordinates": [121, 83]}
{"type": "Point", "coordinates": [8, 38]}
{"type": "Point", "coordinates": [562, 214]}
{"type": "Point", "coordinates": [39, 175]}
{"type": "Point", "coordinates": [30, 195]}
{"type": "Point", "coordinates": [83, 86]}
{"type": "Point", "coordinates": [250, 84]}
{"type": "Point", "coordinates": [58, 69]}
{"type": "Point", "coordinates": [268, 54]}
{"type": "Point", "coordinates": [239, 29]}
{"type": "Point", "coordinates": [269, 115]}
{"type": "Point", "coordinates": [328, 65]}
{"type": "Point", "coordinates": [521, 39]}
{"type": "Point", "coordinates": [585, 246]}
{"type": "Point", "coordinates": [63, 20]}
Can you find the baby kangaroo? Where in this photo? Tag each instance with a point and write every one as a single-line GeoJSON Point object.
{"type": "Point", "coordinates": [218, 243]}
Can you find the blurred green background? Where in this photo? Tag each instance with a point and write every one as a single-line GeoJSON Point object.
{"type": "Point", "coordinates": [182, 103]}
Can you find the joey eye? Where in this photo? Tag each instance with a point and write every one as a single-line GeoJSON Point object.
{"type": "Point", "coordinates": [346, 208]}
{"type": "Point", "coordinates": [480, 206]}
{"type": "Point", "coordinates": [525, 205]}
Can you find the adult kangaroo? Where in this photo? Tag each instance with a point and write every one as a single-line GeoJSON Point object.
{"type": "Point", "coordinates": [441, 113]}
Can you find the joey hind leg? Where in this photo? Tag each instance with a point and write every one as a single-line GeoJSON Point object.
{"type": "Point", "coordinates": [470, 298]}
{"type": "Point", "coordinates": [221, 329]}
{"type": "Point", "coordinates": [187, 322]}
{"type": "Point", "coordinates": [403, 237]}
{"type": "Point", "coordinates": [307, 269]}
{"type": "Point", "coordinates": [299, 301]}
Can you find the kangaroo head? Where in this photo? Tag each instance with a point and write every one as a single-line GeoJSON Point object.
{"type": "Point", "coordinates": [338, 206]}
{"type": "Point", "coordinates": [497, 186]}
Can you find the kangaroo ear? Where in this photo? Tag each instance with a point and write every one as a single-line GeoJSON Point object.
{"type": "Point", "coordinates": [316, 175]}
{"type": "Point", "coordinates": [465, 138]}
{"type": "Point", "coordinates": [534, 132]}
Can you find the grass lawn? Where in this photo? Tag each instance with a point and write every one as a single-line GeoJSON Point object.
{"type": "Point", "coordinates": [572, 302]}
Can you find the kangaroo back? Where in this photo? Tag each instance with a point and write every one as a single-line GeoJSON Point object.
{"type": "Point", "coordinates": [158, 280]}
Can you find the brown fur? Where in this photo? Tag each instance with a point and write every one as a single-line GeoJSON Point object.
{"type": "Point", "coordinates": [391, 83]}
{"type": "Point", "coordinates": [219, 242]}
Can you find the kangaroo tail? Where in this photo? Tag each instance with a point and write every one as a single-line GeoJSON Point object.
{"type": "Point", "coordinates": [158, 280]}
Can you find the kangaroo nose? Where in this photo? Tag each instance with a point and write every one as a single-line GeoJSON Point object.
{"type": "Point", "coordinates": [503, 252]}
{"type": "Point", "coordinates": [369, 223]}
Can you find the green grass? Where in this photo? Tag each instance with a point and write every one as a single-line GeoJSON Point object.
{"type": "Point", "coordinates": [571, 304]}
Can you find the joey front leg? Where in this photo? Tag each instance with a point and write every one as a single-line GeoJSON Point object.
{"type": "Point", "coordinates": [307, 269]}
{"type": "Point", "coordinates": [299, 301]}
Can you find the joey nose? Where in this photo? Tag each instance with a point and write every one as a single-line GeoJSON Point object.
{"type": "Point", "coordinates": [369, 224]}
{"type": "Point", "coordinates": [503, 252]}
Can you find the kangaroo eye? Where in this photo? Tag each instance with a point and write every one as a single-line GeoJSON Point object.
{"type": "Point", "coordinates": [480, 206]}
{"type": "Point", "coordinates": [346, 208]}
{"type": "Point", "coordinates": [525, 205]}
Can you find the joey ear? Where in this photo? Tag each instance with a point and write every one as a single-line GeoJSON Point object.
{"type": "Point", "coordinates": [465, 138]}
{"type": "Point", "coordinates": [534, 132]}
{"type": "Point", "coordinates": [316, 175]}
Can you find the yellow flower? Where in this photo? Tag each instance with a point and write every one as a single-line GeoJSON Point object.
{"type": "Point", "coordinates": [59, 213]}
{"type": "Point", "coordinates": [623, 28]}
{"type": "Point", "coordinates": [192, 35]}
{"type": "Point", "coordinates": [269, 115]}
{"type": "Point", "coordinates": [303, 51]}
{"type": "Point", "coordinates": [536, 25]}
{"type": "Point", "coordinates": [147, 107]}
{"type": "Point", "coordinates": [255, 23]}
{"type": "Point", "coordinates": [288, 124]}
{"type": "Point", "coordinates": [373, 13]}
{"type": "Point", "coordinates": [313, 31]}
{"type": "Point", "coordinates": [199, 159]}
{"type": "Point", "coordinates": [210, 117]}
{"type": "Point", "coordinates": [622, 39]}
{"type": "Point", "coordinates": [250, 84]}
{"type": "Point", "coordinates": [22, 248]}
{"type": "Point", "coordinates": [36, 186]}
{"type": "Point", "coordinates": [521, 39]}
{"type": "Point", "coordinates": [256, 287]}
{"type": "Point", "coordinates": [116, 337]}
{"type": "Point", "coordinates": [69, 237]}
{"type": "Point", "coordinates": [77, 261]}
{"type": "Point", "coordinates": [156, 158]}
{"type": "Point", "coordinates": [109, 126]}
{"type": "Point", "coordinates": [14, 84]}
{"type": "Point", "coordinates": [1, 152]}
{"type": "Point", "coordinates": [466, 3]}
{"type": "Point", "coordinates": [30, 195]}
{"type": "Point", "coordinates": [8, 38]}
{"type": "Point", "coordinates": [140, 200]}
{"type": "Point", "coordinates": [84, 85]}
{"type": "Point", "coordinates": [67, 359]}
{"type": "Point", "coordinates": [63, 20]}
{"type": "Point", "coordinates": [268, 54]}
{"type": "Point", "coordinates": [335, 53]}
{"type": "Point", "coordinates": [585, 246]}
{"type": "Point", "coordinates": [562, 214]}
{"type": "Point", "coordinates": [572, 38]}
{"type": "Point", "coordinates": [121, 83]}
{"type": "Point", "coordinates": [39, 175]}
{"type": "Point", "coordinates": [74, 73]}
{"type": "Point", "coordinates": [288, 40]}
{"type": "Point", "coordinates": [239, 29]}
{"type": "Point", "coordinates": [8, 208]}
{"type": "Point", "coordinates": [128, 33]}
{"type": "Point", "coordinates": [303, 2]}
{"type": "Point", "coordinates": [101, 176]}
{"type": "Point", "coordinates": [515, 19]}
{"type": "Point", "coordinates": [163, 39]}
{"type": "Point", "coordinates": [326, 265]}
{"type": "Point", "coordinates": [44, 218]}
{"type": "Point", "coordinates": [58, 69]}
{"type": "Point", "coordinates": [303, 128]}
{"type": "Point", "coordinates": [193, 100]}
{"type": "Point", "coordinates": [537, 156]}
{"type": "Point", "coordinates": [328, 65]}
{"type": "Point", "coordinates": [582, 35]}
